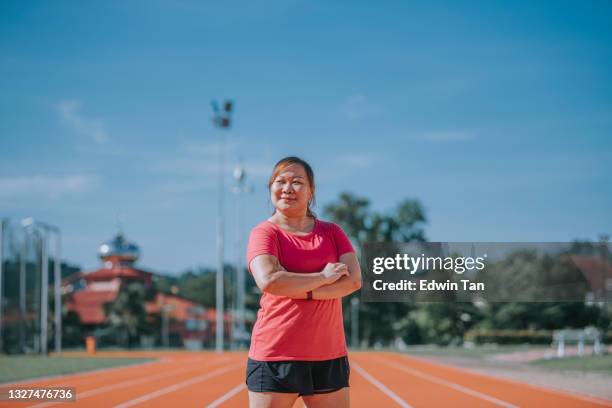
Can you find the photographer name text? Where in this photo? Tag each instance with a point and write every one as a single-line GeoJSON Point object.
{"type": "Point", "coordinates": [428, 285]}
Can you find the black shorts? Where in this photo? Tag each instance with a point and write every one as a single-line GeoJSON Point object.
{"type": "Point", "coordinates": [301, 377]}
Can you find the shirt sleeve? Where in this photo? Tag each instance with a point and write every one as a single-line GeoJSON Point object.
{"type": "Point", "coordinates": [343, 243]}
{"type": "Point", "coordinates": [262, 241]}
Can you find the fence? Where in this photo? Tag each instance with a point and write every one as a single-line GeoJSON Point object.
{"type": "Point", "coordinates": [21, 272]}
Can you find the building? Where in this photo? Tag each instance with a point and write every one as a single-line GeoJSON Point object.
{"type": "Point", "coordinates": [184, 323]}
{"type": "Point", "coordinates": [598, 274]}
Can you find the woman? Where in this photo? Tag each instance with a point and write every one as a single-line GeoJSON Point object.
{"type": "Point", "coordinates": [303, 266]}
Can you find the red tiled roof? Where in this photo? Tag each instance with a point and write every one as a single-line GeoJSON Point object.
{"type": "Point", "coordinates": [211, 315]}
{"type": "Point", "coordinates": [72, 278]}
{"type": "Point", "coordinates": [118, 272]}
{"type": "Point", "coordinates": [594, 269]}
{"type": "Point", "coordinates": [89, 305]}
{"type": "Point", "coordinates": [180, 307]}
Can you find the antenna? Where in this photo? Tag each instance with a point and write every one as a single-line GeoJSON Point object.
{"type": "Point", "coordinates": [120, 223]}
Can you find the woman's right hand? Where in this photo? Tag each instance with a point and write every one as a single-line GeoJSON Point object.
{"type": "Point", "coordinates": [334, 271]}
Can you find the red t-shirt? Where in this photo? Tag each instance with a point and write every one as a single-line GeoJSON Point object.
{"type": "Point", "coordinates": [298, 329]}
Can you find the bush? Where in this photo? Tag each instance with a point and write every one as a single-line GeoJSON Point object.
{"type": "Point", "coordinates": [482, 336]}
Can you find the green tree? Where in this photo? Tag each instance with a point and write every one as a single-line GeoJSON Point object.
{"type": "Point", "coordinates": [444, 323]}
{"type": "Point", "coordinates": [200, 286]}
{"type": "Point", "coordinates": [380, 322]}
{"type": "Point", "coordinates": [127, 316]}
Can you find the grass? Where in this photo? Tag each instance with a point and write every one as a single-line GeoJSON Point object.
{"type": "Point", "coordinates": [476, 352]}
{"type": "Point", "coordinates": [601, 364]}
{"type": "Point", "coordinates": [16, 368]}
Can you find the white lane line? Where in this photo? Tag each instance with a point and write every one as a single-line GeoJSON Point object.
{"type": "Point", "coordinates": [83, 377]}
{"type": "Point", "coordinates": [380, 385]}
{"type": "Point", "coordinates": [177, 386]}
{"type": "Point", "coordinates": [125, 384]}
{"type": "Point", "coordinates": [226, 396]}
{"type": "Point", "coordinates": [449, 384]}
{"type": "Point", "coordinates": [541, 388]}
{"type": "Point", "coordinates": [87, 373]}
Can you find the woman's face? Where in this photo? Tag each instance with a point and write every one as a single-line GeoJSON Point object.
{"type": "Point", "coordinates": [290, 191]}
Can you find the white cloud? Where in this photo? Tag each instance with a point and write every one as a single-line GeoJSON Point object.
{"type": "Point", "coordinates": [358, 107]}
{"type": "Point", "coordinates": [45, 187]}
{"type": "Point", "coordinates": [92, 128]}
{"type": "Point", "coordinates": [447, 136]}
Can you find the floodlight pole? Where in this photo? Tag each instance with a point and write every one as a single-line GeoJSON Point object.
{"type": "Point", "coordinates": [222, 120]}
{"type": "Point", "coordinates": [2, 221]}
{"type": "Point", "coordinates": [165, 315]}
{"type": "Point", "coordinates": [57, 277]}
{"type": "Point", "coordinates": [22, 290]}
{"type": "Point", "coordinates": [355, 321]}
{"type": "Point", "coordinates": [603, 241]}
{"type": "Point", "coordinates": [239, 189]}
{"type": "Point", "coordinates": [44, 294]}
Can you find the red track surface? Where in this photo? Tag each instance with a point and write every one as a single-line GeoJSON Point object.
{"type": "Point", "coordinates": [199, 379]}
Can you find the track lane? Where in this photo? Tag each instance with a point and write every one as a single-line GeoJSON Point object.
{"type": "Point", "coordinates": [196, 373]}
{"type": "Point", "coordinates": [201, 378]}
{"type": "Point", "coordinates": [196, 391]}
{"type": "Point", "coordinates": [362, 393]}
{"type": "Point", "coordinates": [516, 393]}
{"type": "Point", "coordinates": [416, 391]}
{"type": "Point", "coordinates": [109, 381]}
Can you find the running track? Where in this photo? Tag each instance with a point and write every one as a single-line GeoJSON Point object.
{"type": "Point", "coordinates": [206, 379]}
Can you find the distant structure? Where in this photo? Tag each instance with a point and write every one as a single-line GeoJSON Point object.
{"type": "Point", "coordinates": [598, 274]}
{"type": "Point", "coordinates": [186, 323]}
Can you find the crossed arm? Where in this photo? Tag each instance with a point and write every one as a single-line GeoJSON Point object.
{"type": "Point", "coordinates": [335, 281]}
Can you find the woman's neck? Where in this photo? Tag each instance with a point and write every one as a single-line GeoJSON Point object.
{"type": "Point", "coordinates": [302, 222]}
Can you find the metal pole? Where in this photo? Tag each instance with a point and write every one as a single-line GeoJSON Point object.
{"type": "Point", "coordinates": [57, 277]}
{"type": "Point", "coordinates": [22, 290]}
{"type": "Point", "coordinates": [236, 298]}
{"type": "Point", "coordinates": [603, 252]}
{"type": "Point", "coordinates": [1, 277]}
{"type": "Point", "coordinates": [221, 120]}
{"type": "Point", "coordinates": [165, 340]}
{"type": "Point", "coordinates": [44, 294]}
{"type": "Point", "coordinates": [355, 322]}
{"type": "Point", "coordinates": [240, 275]}
{"type": "Point", "coordinates": [44, 314]}
{"type": "Point", "coordinates": [220, 237]}
{"type": "Point", "coordinates": [37, 251]}
{"type": "Point", "coordinates": [240, 278]}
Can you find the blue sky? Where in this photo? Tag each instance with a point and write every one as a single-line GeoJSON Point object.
{"type": "Point", "coordinates": [497, 116]}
